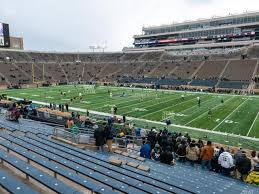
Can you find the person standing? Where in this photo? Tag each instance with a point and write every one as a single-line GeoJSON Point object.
{"type": "Point", "coordinates": [66, 105]}
{"type": "Point", "coordinates": [115, 109]}
{"type": "Point", "coordinates": [108, 136]}
{"type": "Point", "coordinates": [206, 155]}
{"type": "Point", "coordinates": [243, 165]}
{"type": "Point", "coordinates": [192, 152]}
{"type": "Point", "coordinates": [99, 135]}
{"type": "Point", "coordinates": [225, 160]}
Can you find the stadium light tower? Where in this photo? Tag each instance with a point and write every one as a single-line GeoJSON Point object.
{"type": "Point", "coordinates": [104, 46]}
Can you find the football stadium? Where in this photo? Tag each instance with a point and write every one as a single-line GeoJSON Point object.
{"type": "Point", "coordinates": [177, 112]}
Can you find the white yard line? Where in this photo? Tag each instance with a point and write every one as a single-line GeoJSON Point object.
{"type": "Point", "coordinates": [167, 107]}
{"type": "Point", "coordinates": [153, 104]}
{"type": "Point", "coordinates": [252, 124]}
{"type": "Point", "coordinates": [201, 115]}
{"type": "Point", "coordinates": [230, 114]}
{"type": "Point", "coordinates": [155, 122]}
{"type": "Point", "coordinates": [186, 110]}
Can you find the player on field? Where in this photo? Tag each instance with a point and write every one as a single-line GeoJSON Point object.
{"type": "Point", "coordinates": [199, 101]}
{"type": "Point", "coordinates": [210, 113]}
{"type": "Point", "coordinates": [222, 100]}
{"type": "Point", "coordinates": [182, 97]}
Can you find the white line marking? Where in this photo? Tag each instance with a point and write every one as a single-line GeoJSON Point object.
{"type": "Point", "coordinates": [171, 99]}
{"type": "Point", "coordinates": [166, 107]}
{"type": "Point", "coordinates": [252, 124]}
{"type": "Point", "coordinates": [230, 114]}
{"type": "Point", "coordinates": [207, 111]}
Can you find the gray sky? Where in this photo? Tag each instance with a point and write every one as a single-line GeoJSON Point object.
{"type": "Point", "coordinates": [73, 25]}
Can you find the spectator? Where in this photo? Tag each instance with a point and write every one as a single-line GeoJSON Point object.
{"type": "Point", "coordinates": [108, 136]}
{"type": "Point", "coordinates": [99, 135]}
{"type": "Point", "coordinates": [73, 115]}
{"type": "Point", "coordinates": [206, 155]}
{"type": "Point", "coordinates": [166, 157]}
{"type": "Point", "coordinates": [215, 166]}
{"type": "Point", "coordinates": [143, 134]}
{"type": "Point", "coordinates": [254, 160]}
{"type": "Point", "coordinates": [145, 150]}
{"type": "Point", "coordinates": [243, 165]}
{"type": "Point", "coordinates": [77, 115]}
{"type": "Point", "coordinates": [192, 152]}
{"type": "Point", "coordinates": [70, 123]}
{"type": "Point", "coordinates": [181, 151]}
{"type": "Point", "coordinates": [225, 160]}
{"type": "Point", "coordinates": [124, 118]}
{"type": "Point", "coordinates": [66, 105]}
{"type": "Point", "coordinates": [151, 137]}
{"type": "Point", "coordinates": [155, 155]}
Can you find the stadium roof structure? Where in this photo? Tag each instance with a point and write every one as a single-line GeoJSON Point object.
{"type": "Point", "coordinates": [213, 18]}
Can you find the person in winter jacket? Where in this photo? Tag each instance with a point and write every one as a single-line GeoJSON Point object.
{"type": "Point", "coordinates": [156, 152]}
{"type": "Point", "coordinates": [108, 136]}
{"type": "Point", "coordinates": [167, 157]}
{"type": "Point", "coordinates": [226, 162]}
{"type": "Point", "coordinates": [192, 152]}
{"type": "Point", "coordinates": [145, 150]}
{"type": "Point", "coordinates": [206, 155]}
{"type": "Point", "coordinates": [181, 151]}
{"type": "Point", "coordinates": [99, 135]}
{"type": "Point", "coordinates": [243, 165]}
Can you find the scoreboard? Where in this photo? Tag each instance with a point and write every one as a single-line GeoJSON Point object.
{"type": "Point", "coordinates": [4, 35]}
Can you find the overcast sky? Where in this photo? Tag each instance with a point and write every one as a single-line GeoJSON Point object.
{"type": "Point", "coordinates": [73, 25]}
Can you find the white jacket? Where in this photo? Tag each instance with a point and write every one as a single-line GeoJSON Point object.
{"type": "Point", "coordinates": [226, 160]}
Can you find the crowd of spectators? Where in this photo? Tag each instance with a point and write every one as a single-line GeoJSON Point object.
{"type": "Point", "coordinates": [170, 148]}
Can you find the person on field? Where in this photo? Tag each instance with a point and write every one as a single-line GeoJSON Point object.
{"type": "Point", "coordinates": [206, 155]}
{"type": "Point", "coordinates": [210, 113]}
{"type": "Point", "coordinates": [199, 101]}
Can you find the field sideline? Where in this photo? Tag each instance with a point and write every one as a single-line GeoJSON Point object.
{"type": "Point", "coordinates": [237, 115]}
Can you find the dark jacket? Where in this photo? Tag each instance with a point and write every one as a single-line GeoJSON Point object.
{"type": "Point", "coordinates": [99, 135]}
{"type": "Point", "coordinates": [166, 157]}
{"type": "Point", "coordinates": [108, 133]}
{"type": "Point", "coordinates": [243, 164]}
{"type": "Point", "coordinates": [151, 137]}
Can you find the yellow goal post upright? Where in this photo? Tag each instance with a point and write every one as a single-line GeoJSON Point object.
{"type": "Point", "coordinates": [33, 74]}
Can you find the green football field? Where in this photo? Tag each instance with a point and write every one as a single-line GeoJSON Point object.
{"type": "Point", "coordinates": [237, 114]}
